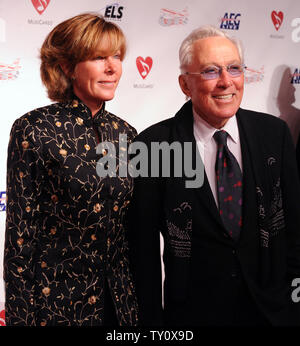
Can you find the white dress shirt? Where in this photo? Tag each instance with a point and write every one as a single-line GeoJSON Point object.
{"type": "Point", "coordinates": [207, 146]}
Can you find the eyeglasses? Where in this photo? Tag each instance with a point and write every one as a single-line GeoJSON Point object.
{"type": "Point", "coordinates": [214, 72]}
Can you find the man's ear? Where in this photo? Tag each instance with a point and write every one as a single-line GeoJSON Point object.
{"type": "Point", "coordinates": [184, 85]}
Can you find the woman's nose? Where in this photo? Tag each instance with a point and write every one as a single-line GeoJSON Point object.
{"type": "Point", "coordinates": [110, 65]}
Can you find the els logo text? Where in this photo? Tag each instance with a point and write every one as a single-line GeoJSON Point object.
{"type": "Point", "coordinates": [114, 12]}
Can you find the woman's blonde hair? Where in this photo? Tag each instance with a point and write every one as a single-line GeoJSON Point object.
{"type": "Point", "coordinates": [77, 39]}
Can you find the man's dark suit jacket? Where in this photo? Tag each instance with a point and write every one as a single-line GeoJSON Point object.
{"type": "Point", "coordinates": [210, 279]}
{"type": "Point", "coordinates": [298, 154]}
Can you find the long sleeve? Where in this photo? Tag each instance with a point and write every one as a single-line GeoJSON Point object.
{"type": "Point", "coordinates": [298, 155]}
{"type": "Point", "coordinates": [24, 179]}
{"type": "Point", "coordinates": [290, 198]}
{"type": "Point", "coordinates": [145, 225]}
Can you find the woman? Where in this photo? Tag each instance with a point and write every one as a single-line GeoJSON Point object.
{"type": "Point", "coordinates": [65, 259]}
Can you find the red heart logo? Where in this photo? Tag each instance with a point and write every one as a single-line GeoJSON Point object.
{"type": "Point", "coordinates": [2, 318]}
{"type": "Point", "coordinates": [40, 5]}
{"type": "Point", "coordinates": [144, 66]}
{"type": "Point", "coordinates": [277, 18]}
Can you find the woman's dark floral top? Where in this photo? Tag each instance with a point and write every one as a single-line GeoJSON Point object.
{"type": "Point", "coordinates": [65, 235]}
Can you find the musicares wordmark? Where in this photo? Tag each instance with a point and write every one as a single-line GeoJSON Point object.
{"type": "Point", "coordinates": [40, 22]}
{"type": "Point", "coordinates": [143, 86]}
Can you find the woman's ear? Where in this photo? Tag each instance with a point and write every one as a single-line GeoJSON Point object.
{"type": "Point", "coordinates": [66, 70]}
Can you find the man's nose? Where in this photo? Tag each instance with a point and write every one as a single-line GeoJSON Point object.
{"type": "Point", "coordinates": [224, 78]}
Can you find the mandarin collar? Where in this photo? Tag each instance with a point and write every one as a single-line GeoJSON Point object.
{"type": "Point", "coordinates": [80, 109]}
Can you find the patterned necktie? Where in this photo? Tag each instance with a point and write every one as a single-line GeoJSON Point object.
{"type": "Point", "coordinates": [229, 186]}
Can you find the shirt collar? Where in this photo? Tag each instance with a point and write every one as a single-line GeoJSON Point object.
{"type": "Point", "coordinates": [203, 131]}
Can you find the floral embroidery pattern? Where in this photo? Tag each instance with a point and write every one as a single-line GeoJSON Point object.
{"type": "Point", "coordinates": [276, 211]}
{"type": "Point", "coordinates": [179, 238]}
{"type": "Point", "coordinates": [64, 227]}
{"type": "Point", "coordinates": [270, 223]}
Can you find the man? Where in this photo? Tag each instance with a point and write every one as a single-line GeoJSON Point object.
{"type": "Point", "coordinates": [298, 154]}
{"type": "Point", "coordinates": [231, 246]}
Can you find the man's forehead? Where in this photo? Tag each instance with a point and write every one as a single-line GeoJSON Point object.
{"type": "Point", "coordinates": [210, 48]}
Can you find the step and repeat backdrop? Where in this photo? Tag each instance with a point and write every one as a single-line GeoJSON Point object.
{"type": "Point", "coordinates": [149, 90]}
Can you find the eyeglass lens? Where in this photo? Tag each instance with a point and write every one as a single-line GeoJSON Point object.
{"type": "Point", "coordinates": [214, 71]}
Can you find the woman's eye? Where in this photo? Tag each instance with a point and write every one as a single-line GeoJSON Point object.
{"type": "Point", "coordinates": [99, 58]}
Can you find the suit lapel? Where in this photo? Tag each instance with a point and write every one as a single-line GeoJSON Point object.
{"type": "Point", "coordinates": [184, 131]}
{"type": "Point", "coordinates": [253, 173]}
{"type": "Point", "coordinates": [253, 167]}
{"type": "Point", "coordinates": [252, 140]}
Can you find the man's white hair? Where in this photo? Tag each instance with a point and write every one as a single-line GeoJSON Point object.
{"type": "Point", "coordinates": [186, 48]}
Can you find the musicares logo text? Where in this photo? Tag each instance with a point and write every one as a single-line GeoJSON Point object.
{"type": "Point", "coordinates": [277, 19]}
{"type": "Point", "coordinates": [40, 6]}
{"type": "Point", "coordinates": [144, 67]}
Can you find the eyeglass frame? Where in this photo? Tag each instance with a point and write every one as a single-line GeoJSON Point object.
{"type": "Point", "coordinates": [220, 69]}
